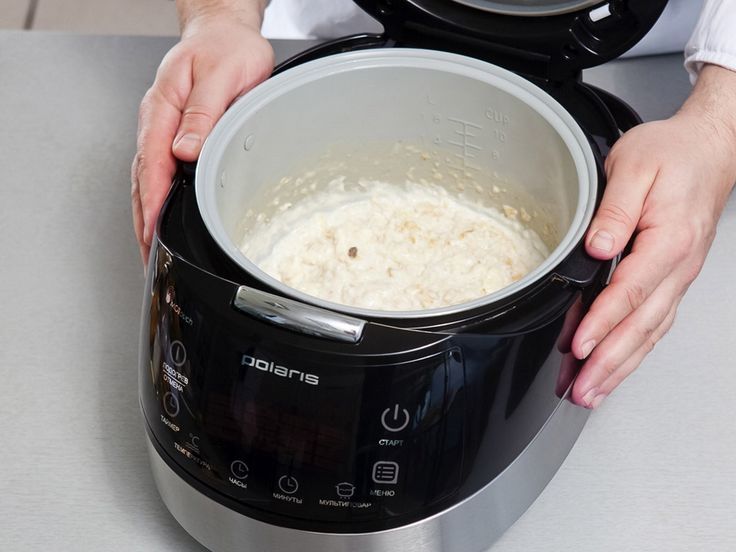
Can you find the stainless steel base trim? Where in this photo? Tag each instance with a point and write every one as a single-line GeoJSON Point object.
{"type": "Point", "coordinates": [471, 525]}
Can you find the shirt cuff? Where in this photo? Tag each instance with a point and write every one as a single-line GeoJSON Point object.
{"type": "Point", "coordinates": [696, 58]}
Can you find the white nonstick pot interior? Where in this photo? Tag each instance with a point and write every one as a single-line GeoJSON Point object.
{"type": "Point", "coordinates": [389, 114]}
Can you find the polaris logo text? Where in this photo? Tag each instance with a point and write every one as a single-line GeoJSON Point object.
{"type": "Point", "coordinates": [281, 371]}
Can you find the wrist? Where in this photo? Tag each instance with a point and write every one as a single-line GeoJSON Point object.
{"type": "Point", "coordinates": [197, 14]}
{"type": "Point", "coordinates": [712, 108]}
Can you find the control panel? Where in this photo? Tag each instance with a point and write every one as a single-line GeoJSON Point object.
{"type": "Point", "coordinates": [301, 434]}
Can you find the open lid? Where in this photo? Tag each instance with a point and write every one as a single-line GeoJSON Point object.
{"type": "Point", "coordinates": [551, 39]}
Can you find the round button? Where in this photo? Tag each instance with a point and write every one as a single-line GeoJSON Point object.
{"type": "Point", "coordinates": [395, 419]}
{"type": "Point", "coordinates": [171, 404]}
{"type": "Point", "coordinates": [178, 353]}
{"type": "Point", "coordinates": [239, 469]}
{"type": "Point", "coordinates": [288, 484]}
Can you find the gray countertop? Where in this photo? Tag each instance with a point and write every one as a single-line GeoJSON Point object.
{"type": "Point", "coordinates": [654, 469]}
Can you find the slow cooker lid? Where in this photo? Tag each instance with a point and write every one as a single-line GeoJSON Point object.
{"type": "Point", "coordinates": [552, 39]}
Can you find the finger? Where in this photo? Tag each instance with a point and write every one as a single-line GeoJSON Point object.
{"type": "Point", "coordinates": [207, 102]}
{"type": "Point", "coordinates": [623, 342]}
{"type": "Point", "coordinates": [633, 362]}
{"type": "Point", "coordinates": [615, 220]}
{"type": "Point", "coordinates": [655, 255]}
{"type": "Point", "coordinates": [569, 367]}
{"type": "Point", "coordinates": [156, 165]}
{"type": "Point", "coordinates": [595, 399]}
{"type": "Point", "coordinates": [572, 321]}
{"type": "Point", "coordinates": [135, 200]}
{"type": "Point", "coordinates": [145, 251]}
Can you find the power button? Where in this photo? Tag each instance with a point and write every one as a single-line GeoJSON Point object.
{"type": "Point", "coordinates": [395, 418]}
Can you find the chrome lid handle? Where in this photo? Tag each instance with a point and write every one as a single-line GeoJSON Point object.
{"type": "Point", "coordinates": [297, 316]}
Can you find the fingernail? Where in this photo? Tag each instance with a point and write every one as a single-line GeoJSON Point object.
{"type": "Point", "coordinates": [589, 397]}
{"type": "Point", "coordinates": [603, 241]}
{"type": "Point", "coordinates": [586, 348]}
{"type": "Point", "coordinates": [187, 141]}
{"type": "Point", "coordinates": [596, 402]}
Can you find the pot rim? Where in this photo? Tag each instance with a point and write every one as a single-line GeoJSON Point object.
{"type": "Point", "coordinates": [506, 7]}
{"type": "Point", "coordinates": [207, 170]}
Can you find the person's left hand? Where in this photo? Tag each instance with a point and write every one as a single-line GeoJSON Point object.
{"type": "Point", "coordinates": [668, 182]}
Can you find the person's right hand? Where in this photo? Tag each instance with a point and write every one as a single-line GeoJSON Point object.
{"type": "Point", "coordinates": [219, 57]}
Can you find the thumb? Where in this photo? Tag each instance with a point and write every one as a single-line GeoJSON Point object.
{"type": "Point", "coordinates": [210, 96]}
{"type": "Point", "coordinates": [620, 209]}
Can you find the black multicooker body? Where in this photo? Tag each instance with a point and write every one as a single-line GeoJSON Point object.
{"type": "Point", "coordinates": [430, 433]}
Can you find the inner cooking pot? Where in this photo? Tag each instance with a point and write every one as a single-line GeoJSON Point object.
{"type": "Point", "coordinates": [390, 114]}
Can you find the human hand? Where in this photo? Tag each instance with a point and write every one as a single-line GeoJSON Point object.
{"type": "Point", "coordinates": [220, 57]}
{"type": "Point", "coordinates": [668, 182]}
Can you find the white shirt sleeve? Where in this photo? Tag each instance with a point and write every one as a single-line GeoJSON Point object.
{"type": "Point", "coordinates": [714, 38]}
{"type": "Point", "coordinates": [324, 19]}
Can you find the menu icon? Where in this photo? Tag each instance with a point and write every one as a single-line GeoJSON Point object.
{"type": "Point", "coordinates": [385, 473]}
